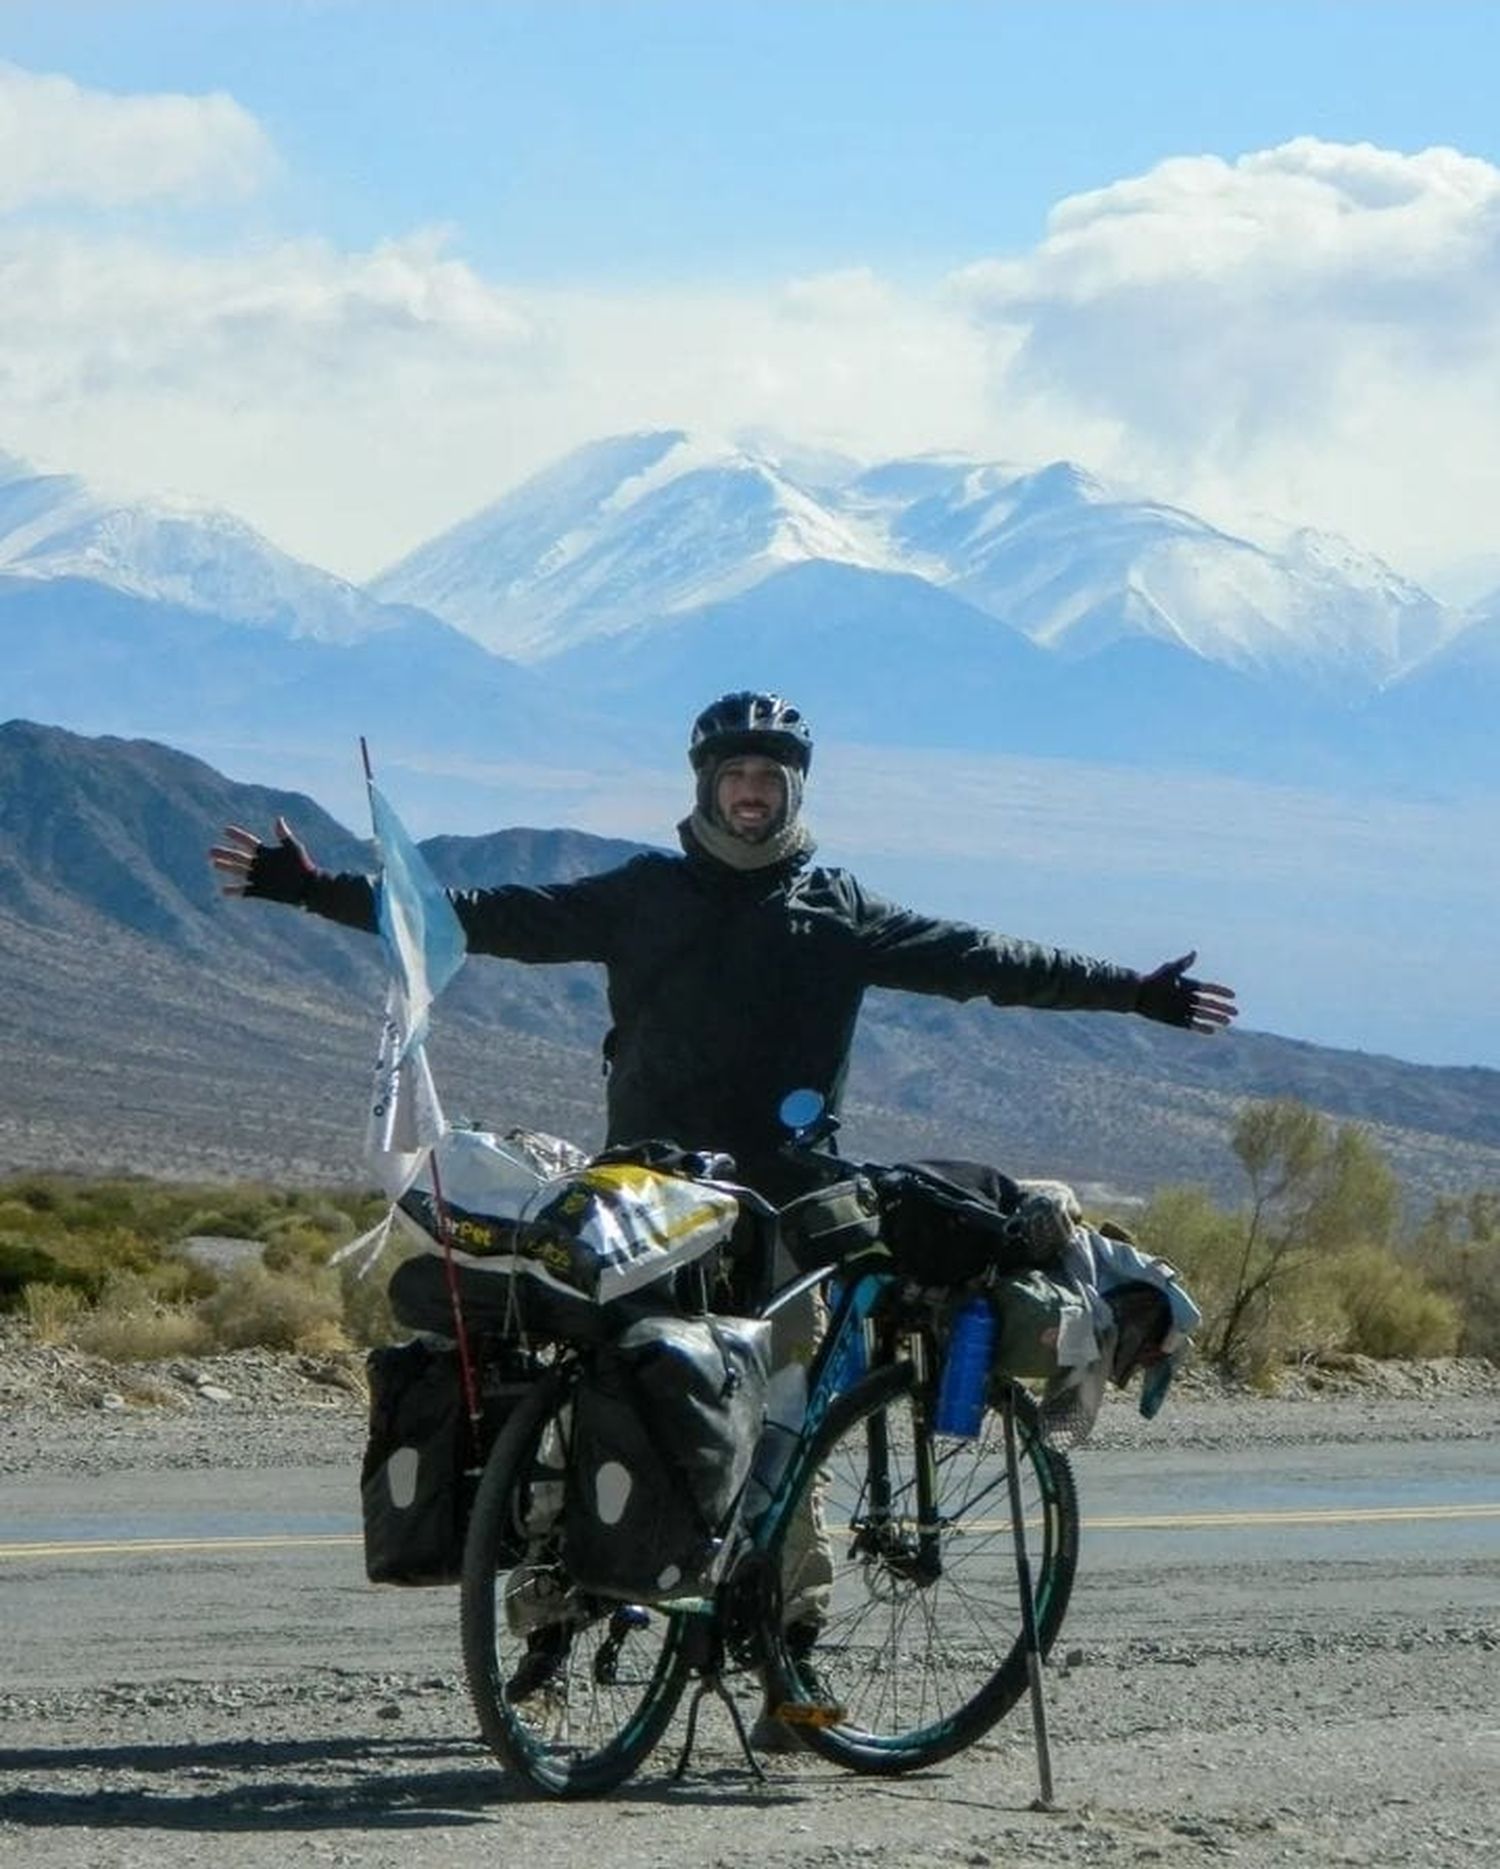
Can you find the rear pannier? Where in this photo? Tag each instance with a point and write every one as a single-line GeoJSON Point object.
{"type": "Point", "coordinates": [423, 1455]}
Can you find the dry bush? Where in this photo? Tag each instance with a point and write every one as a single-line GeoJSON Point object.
{"type": "Point", "coordinates": [367, 1305]}
{"type": "Point", "coordinates": [130, 1324]}
{"type": "Point", "coordinates": [254, 1306]}
{"type": "Point", "coordinates": [1458, 1248]}
{"type": "Point", "coordinates": [1389, 1308]}
{"type": "Point", "coordinates": [293, 1246]}
{"type": "Point", "coordinates": [53, 1311]}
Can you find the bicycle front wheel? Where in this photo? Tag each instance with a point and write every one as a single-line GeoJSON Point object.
{"type": "Point", "coordinates": [922, 1643]}
{"type": "Point", "coordinates": [572, 1691]}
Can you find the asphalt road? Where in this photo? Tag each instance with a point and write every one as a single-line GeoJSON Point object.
{"type": "Point", "coordinates": [229, 1574]}
{"type": "Point", "coordinates": [1274, 1655]}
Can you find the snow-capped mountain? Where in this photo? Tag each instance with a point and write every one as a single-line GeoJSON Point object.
{"type": "Point", "coordinates": [630, 533]}
{"type": "Point", "coordinates": [195, 556]}
{"type": "Point", "coordinates": [623, 531]}
{"type": "Point", "coordinates": [1077, 567]}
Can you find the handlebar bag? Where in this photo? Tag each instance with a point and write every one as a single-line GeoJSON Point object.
{"type": "Point", "coordinates": [829, 1224]}
{"type": "Point", "coordinates": [665, 1421]}
{"type": "Point", "coordinates": [949, 1221]}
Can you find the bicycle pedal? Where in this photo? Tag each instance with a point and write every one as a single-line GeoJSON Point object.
{"type": "Point", "coordinates": [810, 1713]}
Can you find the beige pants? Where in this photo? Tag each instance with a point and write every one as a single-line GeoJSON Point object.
{"type": "Point", "coordinates": [806, 1554]}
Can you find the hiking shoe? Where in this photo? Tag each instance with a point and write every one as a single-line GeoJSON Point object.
{"type": "Point", "coordinates": [817, 1702]}
{"type": "Point", "coordinates": [546, 1652]}
{"type": "Point", "coordinates": [769, 1734]}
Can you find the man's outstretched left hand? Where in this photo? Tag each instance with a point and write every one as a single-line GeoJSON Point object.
{"type": "Point", "coordinates": [1171, 995]}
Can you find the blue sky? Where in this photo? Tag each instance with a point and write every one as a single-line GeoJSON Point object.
{"type": "Point", "coordinates": [571, 142]}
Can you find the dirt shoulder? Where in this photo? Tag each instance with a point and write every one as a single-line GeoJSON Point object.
{"type": "Point", "coordinates": [1277, 1707]}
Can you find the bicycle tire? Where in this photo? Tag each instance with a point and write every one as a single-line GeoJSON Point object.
{"type": "Point", "coordinates": [924, 1656]}
{"type": "Point", "coordinates": [576, 1703]}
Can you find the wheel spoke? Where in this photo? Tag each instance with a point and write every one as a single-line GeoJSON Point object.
{"type": "Point", "coordinates": [572, 1692]}
{"type": "Point", "coordinates": [922, 1643]}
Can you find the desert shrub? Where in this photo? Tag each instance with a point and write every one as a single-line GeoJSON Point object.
{"type": "Point", "coordinates": [24, 1264]}
{"type": "Point", "coordinates": [237, 1220]}
{"type": "Point", "coordinates": [53, 1311]}
{"type": "Point", "coordinates": [130, 1324]}
{"type": "Point", "coordinates": [1458, 1248]}
{"type": "Point", "coordinates": [1314, 1188]}
{"type": "Point", "coordinates": [38, 1195]}
{"type": "Point", "coordinates": [367, 1306]}
{"type": "Point", "coordinates": [99, 1251]}
{"type": "Point", "coordinates": [295, 1247]}
{"type": "Point", "coordinates": [1207, 1245]}
{"type": "Point", "coordinates": [253, 1305]}
{"type": "Point", "coordinates": [178, 1280]}
{"type": "Point", "coordinates": [1392, 1309]}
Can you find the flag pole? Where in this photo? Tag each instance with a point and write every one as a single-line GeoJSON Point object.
{"type": "Point", "coordinates": [466, 1375]}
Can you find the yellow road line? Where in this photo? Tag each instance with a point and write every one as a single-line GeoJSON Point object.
{"type": "Point", "coordinates": [1325, 1515]}
{"type": "Point", "coordinates": [1131, 1522]}
{"type": "Point", "coordinates": [146, 1547]}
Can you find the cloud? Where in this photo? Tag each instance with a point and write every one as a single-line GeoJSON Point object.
{"type": "Point", "coordinates": [63, 144]}
{"type": "Point", "coordinates": [1315, 326]}
{"type": "Point", "coordinates": [351, 403]}
{"type": "Point", "coordinates": [1312, 331]}
{"type": "Point", "coordinates": [853, 294]}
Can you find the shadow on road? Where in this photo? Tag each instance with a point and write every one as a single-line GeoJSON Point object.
{"type": "Point", "coordinates": [310, 1785]}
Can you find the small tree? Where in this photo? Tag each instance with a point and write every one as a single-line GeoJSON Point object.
{"type": "Point", "coordinates": [1458, 1248]}
{"type": "Point", "coordinates": [1313, 1189]}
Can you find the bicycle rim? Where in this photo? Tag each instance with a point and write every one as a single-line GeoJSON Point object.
{"type": "Point", "coordinates": [572, 1692]}
{"type": "Point", "coordinates": [922, 1645]}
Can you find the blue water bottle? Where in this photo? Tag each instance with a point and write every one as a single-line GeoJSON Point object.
{"type": "Point", "coordinates": [964, 1385]}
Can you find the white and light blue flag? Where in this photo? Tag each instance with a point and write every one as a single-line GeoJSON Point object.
{"type": "Point", "coordinates": [424, 941]}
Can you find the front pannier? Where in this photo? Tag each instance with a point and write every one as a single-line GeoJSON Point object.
{"type": "Point", "coordinates": [665, 1423]}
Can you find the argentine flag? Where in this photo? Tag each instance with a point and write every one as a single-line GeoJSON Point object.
{"type": "Point", "coordinates": [424, 942]}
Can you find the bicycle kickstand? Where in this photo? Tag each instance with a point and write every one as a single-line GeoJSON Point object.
{"type": "Point", "coordinates": [714, 1684]}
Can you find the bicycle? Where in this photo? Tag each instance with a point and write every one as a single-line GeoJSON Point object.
{"type": "Point", "coordinates": [934, 1626]}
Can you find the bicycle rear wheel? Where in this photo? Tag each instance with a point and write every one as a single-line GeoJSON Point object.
{"type": "Point", "coordinates": [922, 1643]}
{"type": "Point", "coordinates": [572, 1692]}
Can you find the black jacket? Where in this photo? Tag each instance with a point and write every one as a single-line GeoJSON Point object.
{"type": "Point", "coordinates": [729, 988]}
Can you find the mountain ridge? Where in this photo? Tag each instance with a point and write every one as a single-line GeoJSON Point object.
{"type": "Point", "coordinates": [614, 536]}
{"type": "Point", "coordinates": [154, 1023]}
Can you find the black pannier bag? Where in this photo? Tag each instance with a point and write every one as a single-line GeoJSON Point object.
{"type": "Point", "coordinates": [946, 1222]}
{"type": "Point", "coordinates": [423, 1455]}
{"type": "Point", "coordinates": [665, 1422]}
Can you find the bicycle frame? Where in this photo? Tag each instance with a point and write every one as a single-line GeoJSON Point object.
{"type": "Point", "coordinates": [840, 1360]}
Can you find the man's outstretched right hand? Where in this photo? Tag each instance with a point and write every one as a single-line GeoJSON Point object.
{"type": "Point", "coordinates": [279, 872]}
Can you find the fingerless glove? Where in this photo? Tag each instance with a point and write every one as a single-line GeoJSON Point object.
{"type": "Point", "coordinates": [1166, 997]}
{"type": "Point", "coordinates": [280, 872]}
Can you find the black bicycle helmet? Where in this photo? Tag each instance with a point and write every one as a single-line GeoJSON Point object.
{"type": "Point", "coordinates": [749, 722]}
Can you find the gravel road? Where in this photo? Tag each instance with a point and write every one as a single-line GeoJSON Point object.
{"type": "Point", "coordinates": [1262, 1697]}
